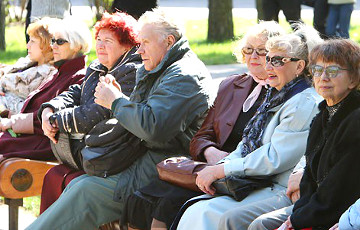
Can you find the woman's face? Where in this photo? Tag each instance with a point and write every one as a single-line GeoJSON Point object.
{"type": "Point", "coordinates": [34, 50]}
{"type": "Point", "coordinates": [255, 60]}
{"type": "Point", "coordinates": [63, 51]}
{"type": "Point", "coordinates": [333, 88]}
{"type": "Point", "coordinates": [108, 48]}
{"type": "Point", "coordinates": [284, 72]}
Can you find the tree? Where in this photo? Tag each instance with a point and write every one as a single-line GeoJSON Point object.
{"type": "Point", "coordinates": [2, 25]}
{"type": "Point", "coordinates": [221, 26]}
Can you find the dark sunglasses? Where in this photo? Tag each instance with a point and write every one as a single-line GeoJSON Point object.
{"type": "Point", "coordinates": [249, 51]}
{"type": "Point", "coordinates": [330, 71]}
{"type": "Point", "coordinates": [58, 41]}
{"type": "Point", "coordinates": [277, 61]}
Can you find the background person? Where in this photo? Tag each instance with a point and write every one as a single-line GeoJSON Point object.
{"type": "Point", "coordinates": [71, 41]}
{"type": "Point", "coordinates": [327, 187]}
{"type": "Point", "coordinates": [338, 20]}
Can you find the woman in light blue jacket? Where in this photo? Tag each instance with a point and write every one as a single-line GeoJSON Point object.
{"type": "Point", "coordinates": [350, 219]}
{"type": "Point", "coordinates": [274, 139]}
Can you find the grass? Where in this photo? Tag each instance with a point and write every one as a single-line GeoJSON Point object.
{"type": "Point", "coordinates": [196, 32]}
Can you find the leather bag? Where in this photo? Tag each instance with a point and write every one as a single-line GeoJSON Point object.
{"type": "Point", "coordinates": [240, 187]}
{"type": "Point", "coordinates": [62, 151]}
{"type": "Point", "coordinates": [180, 171]}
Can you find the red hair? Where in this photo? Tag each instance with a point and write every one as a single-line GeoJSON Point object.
{"type": "Point", "coordinates": [124, 26]}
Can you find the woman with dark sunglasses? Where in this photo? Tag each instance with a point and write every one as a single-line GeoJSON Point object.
{"type": "Point", "coordinates": [69, 59]}
{"type": "Point", "coordinates": [273, 141]}
{"type": "Point", "coordinates": [328, 186]}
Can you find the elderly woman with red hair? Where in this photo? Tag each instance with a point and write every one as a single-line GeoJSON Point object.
{"type": "Point", "coordinates": [75, 112]}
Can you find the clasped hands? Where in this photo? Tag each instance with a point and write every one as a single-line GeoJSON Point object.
{"type": "Point", "coordinates": [107, 91]}
{"type": "Point", "coordinates": [207, 176]}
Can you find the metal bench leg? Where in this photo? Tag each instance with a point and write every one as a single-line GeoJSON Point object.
{"type": "Point", "coordinates": [14, 212]}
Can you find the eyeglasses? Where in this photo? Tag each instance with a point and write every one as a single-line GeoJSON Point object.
{"type": "Point", "coordinates": [58, 41]}
{"type": "Point", "coordinates": [249, 51]}
{"type": "Point", "coordinates": [278, 61]}
{"type": "Point", "coordinates": [330, 71]}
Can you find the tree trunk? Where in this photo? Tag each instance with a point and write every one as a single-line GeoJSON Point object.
{"type": "Point", "coordinates": [2, 25]}
{"type": "Point", "coordinates": [221, 26]}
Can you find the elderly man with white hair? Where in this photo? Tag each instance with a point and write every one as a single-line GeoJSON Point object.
{"type": "Point", "coordinates": [165, 110]}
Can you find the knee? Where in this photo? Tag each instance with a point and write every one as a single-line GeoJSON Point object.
{"type": "Point", "coordinates": [229, 221]}
{"type": "Point", "coordinates": [258, 223]}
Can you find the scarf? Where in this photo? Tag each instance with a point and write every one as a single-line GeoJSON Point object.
{"type": "Point", "coordinates": [251, 99]}
{"type": "Point", "coordinates": [254, 130]}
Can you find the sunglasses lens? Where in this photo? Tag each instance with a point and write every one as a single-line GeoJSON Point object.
{"type": "Point", "coordinates": [276, 61]}
{"type": "Point", "coordinates": [61, 41]}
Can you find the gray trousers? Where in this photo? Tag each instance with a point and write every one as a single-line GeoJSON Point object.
{"type": "Point", "coordinates": [88, 201]}
{"type": "Point", "coordinates": [240, 218]}
{"type": "Point", "coordinates": [271, 220]}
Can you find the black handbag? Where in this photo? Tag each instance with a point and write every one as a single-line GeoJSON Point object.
{"type": "Point", "coordinates": [110, 149]}
{"type": "Point", "coordinates": [240, 187]}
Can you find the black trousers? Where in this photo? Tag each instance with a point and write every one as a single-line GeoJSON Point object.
{"type": "Point", "coordinates": [320, 14]}
{"type": "Point", "coordinates": [271, 8]}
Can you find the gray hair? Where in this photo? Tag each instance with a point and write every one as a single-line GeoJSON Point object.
{"type": "Point", "coordinates": [164, 24]}
{"type": "Point", "coordinates": [264, 30]}
{"type": "Point", "coordinates": [297, 44]}
{"type": "Point", "coordinates": [75, 32]}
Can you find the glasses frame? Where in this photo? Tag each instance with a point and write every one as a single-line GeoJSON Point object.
{"type": "Point", "coordinates": [252, 51]}
{"type": "Point", "coordinates": [59, 41]}
{"type": "Point", "coordinates": [326, 69]}
{"type": "Point", "coordinates": [282, 60]}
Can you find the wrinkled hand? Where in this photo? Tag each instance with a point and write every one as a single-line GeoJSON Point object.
{"type": "Point", "coordinates": [207, 176]}
{"type": "Point", "coordinates": [335, 227]}
{"type": "Point", "coordinates": [49, 130]}
{"type": "Point", "coordinates": [295, 196]}
{"type": "Point", "coordinates": [107, 91]}
{"type": "Point", "coordinates": [213, 155]}
{"type": "Point", "coordinates": [294, 185]}
{"type": "Point", "coordinates": [2, 93]}
{"type": "Point", "coordinates": [5, 124]}
{"type": "Point", "coordinates": [286, 225]}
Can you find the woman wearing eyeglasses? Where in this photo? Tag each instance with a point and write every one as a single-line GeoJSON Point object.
{"type": "Point", "coordinates": [329, 184]}
{"type": "Point", "coordinates": [72, 40]}
{"type": "Point", "coordinates": [273, 141]}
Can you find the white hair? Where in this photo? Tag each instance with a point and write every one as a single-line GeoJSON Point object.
{"type": "Point", "coordinates": [164, 24]}
{"type": "Point", "coordinates": [75, 31]}
{"type": "Point", "coordinates": [264, 30]}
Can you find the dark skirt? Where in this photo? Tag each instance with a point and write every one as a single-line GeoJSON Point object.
{"type": "Point", "coordinates": [160, 200]}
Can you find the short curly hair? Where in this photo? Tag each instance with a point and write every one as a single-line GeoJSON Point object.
{"type": "Point", "coordinates": [125, 27]}
{"type": "Point", "coordinates": [40, 29]}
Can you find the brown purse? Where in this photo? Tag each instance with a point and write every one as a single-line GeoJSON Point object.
{"type": "Point", "coordinates": [180, 171]}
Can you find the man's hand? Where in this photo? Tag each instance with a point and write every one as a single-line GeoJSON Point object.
{"type": "Point", "coordinates": [49, 130]}
{"type": "Point", "coordinates": [207, 176]}
{"type": "Point", "coordinates": [107, 91]}
{"type": "Point", "coordinates": [293, 189]}
{"type": "Point", "coordinates": [213, 155]}
{"type": "Point", "coordinates": [5, 124]}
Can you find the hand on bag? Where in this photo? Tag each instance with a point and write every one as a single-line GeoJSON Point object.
{"type": "Point", "coordinates": [48, 129]}
{"type": "Point", "coordinates": [213, 155]}
{"type": "Point", "coordinates": [107, 91]}
{"type": "Point", "coordinates": [2, 93]}
{"type": "Point", "coordinates": [294, 184]}
{"type": "Point", "coordinates": [335, 227]}
{"type": "Point", "coordinates": [207, 176]}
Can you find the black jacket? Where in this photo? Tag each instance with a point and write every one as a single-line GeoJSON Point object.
{"type": "Point", "coordinates": [76, 111]}
{"type": "Point", "coordinates": [330, 181]}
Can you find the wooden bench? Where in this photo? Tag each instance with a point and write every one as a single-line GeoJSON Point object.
{"type": "Point", "coordinates": [21, 178]}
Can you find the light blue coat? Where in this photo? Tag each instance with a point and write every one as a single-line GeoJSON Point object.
{"type": "Point", "coordinates": [350, 219]}
{"type": "Point", "coordinates": [284, 141]}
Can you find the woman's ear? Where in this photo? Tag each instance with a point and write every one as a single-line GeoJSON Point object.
{"type": "Point", "coordinates": [300, 67]}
